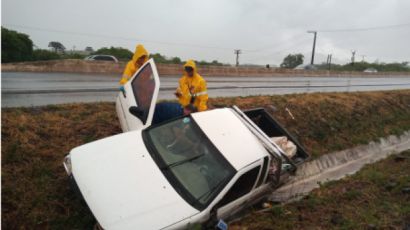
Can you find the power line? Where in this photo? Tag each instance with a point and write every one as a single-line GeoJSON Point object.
{"type": "Point", "coordinates": [270, 55]}
{"type": "Point", "coordinates": [118, 37]}
{"type": "Point", "coordinates": [353, 56]}
{"type": "Point", "coordinates": [296, 37]}
{"type": "Point", "coordinates": [365, 28]}
{"type": "Point", "coordinates": [237, 52]}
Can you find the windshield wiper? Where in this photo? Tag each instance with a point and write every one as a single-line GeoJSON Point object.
{"type": "Point", "coordinates": [182, 162]}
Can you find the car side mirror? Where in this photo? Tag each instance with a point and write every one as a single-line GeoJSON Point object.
{"type": "Point", "coordinates": [214, 211]}
{"type": "Point", "coordinates": [134, 110]}
{"type": "Point", "coordinates": [213, 219]}
{"type": "Point", "coordinates": [122, 89]}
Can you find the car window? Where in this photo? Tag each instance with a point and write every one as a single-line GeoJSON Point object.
{"type": "Point", "coordinates": [143, 86]}
{"type": "Point", "coordinates": [241, 187]}
{"type": "Point", "coordinates": [108, 58]}
{"type": "Point", "coordinates": [103, 58]}
{"type": "Point", "coordinates": [192, 164]}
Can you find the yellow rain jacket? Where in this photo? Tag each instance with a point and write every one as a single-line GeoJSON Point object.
{"type": "Point", "coordinates": [198, 91]}
{"type": "Point", "coordinates": [132, 65]}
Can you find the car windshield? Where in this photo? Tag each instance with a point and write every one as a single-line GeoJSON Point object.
{"type": "Point", "coordinates": [192, 164]}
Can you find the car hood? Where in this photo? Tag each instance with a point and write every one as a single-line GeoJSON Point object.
{"type": "Point", "coordinates": [124, 187]}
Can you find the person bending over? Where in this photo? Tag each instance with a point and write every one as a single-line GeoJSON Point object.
{"type": "Point", "coordinates": [138, 59]}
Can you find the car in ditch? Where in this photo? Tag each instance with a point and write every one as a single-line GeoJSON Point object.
{"type": "Point", "coordinates": [192, 170]}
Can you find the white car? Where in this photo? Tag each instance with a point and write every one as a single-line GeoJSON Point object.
{"type": "Point", "coordinates": [101, 57]}
{"type": "Point", "coordinates": [191, 170]}
{"type": "Point", "coordinates": [370, 70]}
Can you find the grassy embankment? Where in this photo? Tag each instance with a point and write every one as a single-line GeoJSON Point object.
{"type": "Point", "coordinates": [377, 197]}
{"type": "Point", "coordinates": [36, 193]}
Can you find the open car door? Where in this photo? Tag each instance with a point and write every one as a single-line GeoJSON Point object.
{"type": "Point", "coordinates": [136, 104]}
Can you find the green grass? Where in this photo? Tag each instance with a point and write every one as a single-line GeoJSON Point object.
{"type": "Point", "coordinates": [36, 191]}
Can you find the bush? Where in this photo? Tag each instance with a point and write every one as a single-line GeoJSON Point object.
{"type": "Point", "coordinates": [73, 56]}
{"type": "Point", "coordinates": [361, 66]}
{"type": "Point", "coordinates": [118, 52]}
{"type": "Point", "coordinates": [214, 63]}
{"type": "Point", "coordinates": [158, 58]}
{"type": "Point", "coordinates": [43, 55]}
{"type": "Point", "coordinates": [292, 60]}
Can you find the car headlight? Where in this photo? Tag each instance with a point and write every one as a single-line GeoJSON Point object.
{"type": "Point", "coordinates": [67, 165]}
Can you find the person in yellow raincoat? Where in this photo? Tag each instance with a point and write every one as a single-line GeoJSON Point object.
{"type": "Point", "coordinates": [138, 59]}
{"type": "Point", "coordinates": [192, 89]}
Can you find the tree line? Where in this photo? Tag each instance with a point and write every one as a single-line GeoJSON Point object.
{"type": "Point", "coordinates": [293, 60]}
{"type": "Point", "coordinates": [18, 47]}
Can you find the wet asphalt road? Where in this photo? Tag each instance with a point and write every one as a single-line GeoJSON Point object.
{"type": "Point", "coordinates": [36, 89]}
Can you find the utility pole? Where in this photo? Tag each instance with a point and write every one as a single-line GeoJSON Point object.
{"type": "Point", "coordinates": [363, 56]}
{"type": "Point", "coordinates": [353, 54]}
{"type": "Point", "coordinates": [314, 45]}
{"type": "Point", "coordinates": [330, 61]}
{"type": "Point", "coordinates": [237, 52]}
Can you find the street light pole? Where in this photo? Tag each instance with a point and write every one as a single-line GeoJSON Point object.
{"type": "Point", "coordinates": [314, 45]}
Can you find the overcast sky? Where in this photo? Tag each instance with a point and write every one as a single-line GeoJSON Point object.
{"type": "Point", "coordinates": [265, 30]}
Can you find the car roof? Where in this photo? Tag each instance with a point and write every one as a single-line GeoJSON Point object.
{"type": "Point", "coordinates": [230, 136]}
{"type": "Point", "coordinates": [104, 55]}
{"type": "Point", "coordinates": [101, 55]}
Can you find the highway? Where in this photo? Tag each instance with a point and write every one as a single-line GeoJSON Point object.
{"type": "Point", "coordinates": [22, 89]}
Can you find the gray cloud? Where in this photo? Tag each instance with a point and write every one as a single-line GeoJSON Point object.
{"type": "Point", "coordinates": [265, 30]}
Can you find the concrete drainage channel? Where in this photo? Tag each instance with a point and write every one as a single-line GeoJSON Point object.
{"type": "Point", "coordinates": [335, 166]}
